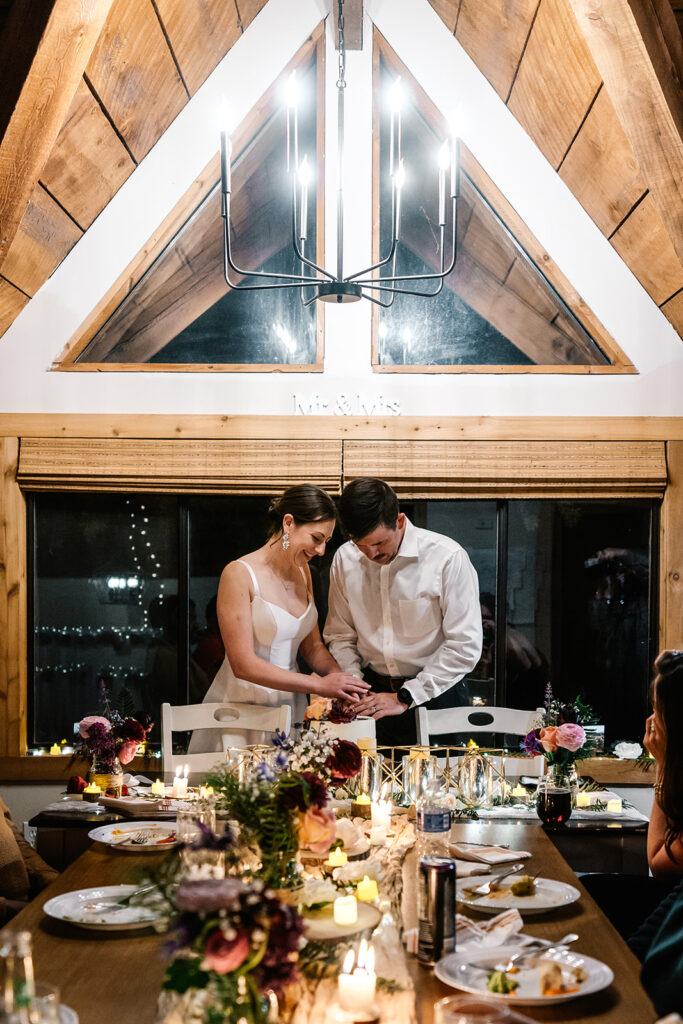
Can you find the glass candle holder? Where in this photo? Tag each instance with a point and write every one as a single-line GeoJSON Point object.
{"type": "Point", "coordinates": [475, 778]}
{"type": "Point", "coordinates": [370, 778]}
{"type": "Point", "coordinates": [417, 769]}
{"type": "Point", "coordinates": [199, 860]}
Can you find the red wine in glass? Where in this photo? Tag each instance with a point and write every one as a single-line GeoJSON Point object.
{"type": "Point", "coordinates": [554, 806]}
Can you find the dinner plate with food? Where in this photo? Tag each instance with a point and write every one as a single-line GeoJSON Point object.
{"type": "Point", "coordinates": [523, 893]}
{"type": "Point", "coordinates": [553, 976]}
{"type": "Point", "coordinates": [105, 908]}
{"type": "Point", "coordinates": [137, 836]}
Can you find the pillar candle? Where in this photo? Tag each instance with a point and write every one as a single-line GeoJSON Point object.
{"type": "Point", "coordinates": [583, 799]}
{"type": "Point", "coordinates": [345, 910]}
{"type": "Point", "coordinates": [158, 788]}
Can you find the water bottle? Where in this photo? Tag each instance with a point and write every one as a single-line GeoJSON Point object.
{"type": "Point", "coordinates": [18, 983]}
{"type": "Point", "coordinates": [433, 820]}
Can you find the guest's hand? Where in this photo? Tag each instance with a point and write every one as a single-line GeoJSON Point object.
{"type": "Point", "coordinates": [379, 705]}
{"type": "Point", "coordinates": [341, 685]}
{"type": "Point", "coordinates": [654, 740]}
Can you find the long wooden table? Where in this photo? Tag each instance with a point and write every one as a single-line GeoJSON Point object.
{"type": "Point", "coordinates": [117, 975]}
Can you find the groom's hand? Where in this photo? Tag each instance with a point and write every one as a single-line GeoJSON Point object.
{"type": "Point", "coordinates": [379, 705]}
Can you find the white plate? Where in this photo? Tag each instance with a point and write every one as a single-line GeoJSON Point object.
{"type": "Point", "coordinates": [457, 970]}
{"type": "Point", "coordinates": [156, 835]}
{"type": "Point", "coordinates": [94, 908]}
{"type": "Point", "coordinates": [320, 925]}
{"type": "Point", "coordinates": [549, 895]}
{"type": "Point", "coordinates": [67, 1015]}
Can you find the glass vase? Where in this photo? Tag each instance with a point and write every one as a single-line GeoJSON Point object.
{"type": "Point", "coordinates": [475, 778]}
{"type": "Point", "coordinates": [108, 775]}
{"type": "Point", "coordinates": [554, 800]}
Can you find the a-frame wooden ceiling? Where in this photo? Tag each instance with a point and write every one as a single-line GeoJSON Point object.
{"type": "Point", "coordinates": [92, 86]}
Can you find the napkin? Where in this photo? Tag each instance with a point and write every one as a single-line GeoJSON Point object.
{"type": "Point", "coordinates": [136, 780]}
{"type": "Point", "coordinates": [138, 807]}
{"type": "Point", "coordinates": [469, 868]}
{"type": "Point", "coordinates": [487, 854]}
{"type": "Point", "coordinates": [473, 933]}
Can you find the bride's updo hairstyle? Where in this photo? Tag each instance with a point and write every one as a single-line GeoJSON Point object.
{"type": "Point", "coordinates": [305, 503]}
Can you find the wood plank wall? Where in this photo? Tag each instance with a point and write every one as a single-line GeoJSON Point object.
{"type": "Point", "coordinates": [151, 56]}
{"type": "Point", "coordinates": [535, 57]}
{"type": "Point", "coordinates": [515, 432]}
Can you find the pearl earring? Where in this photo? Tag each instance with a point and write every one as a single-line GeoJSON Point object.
{"type": "Point", "coordinates": [285, 541]}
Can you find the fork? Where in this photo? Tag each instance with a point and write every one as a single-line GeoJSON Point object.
{"type": "Point", "coordinates": [485, 888]}
{"type": "Point", "coordinates": [136, 840]}
{"type": "Point", "coordinates": [533, 948]}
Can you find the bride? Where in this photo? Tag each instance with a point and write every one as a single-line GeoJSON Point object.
{"type": "Point", "coordinates": [267, 614]}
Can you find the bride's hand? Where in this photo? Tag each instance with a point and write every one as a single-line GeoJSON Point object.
{"type": "Point", "coordinates": [341, 685]}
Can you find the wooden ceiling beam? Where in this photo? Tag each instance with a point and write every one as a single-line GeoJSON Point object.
{"type": "Point", "coordinates": [44, 49]}
{"type": "Point", "coordinates": [637, 48]}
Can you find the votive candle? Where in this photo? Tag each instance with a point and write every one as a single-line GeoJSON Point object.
{"type": "Point", "coordinates": [158, 788]}
{"type": "Point", "coordinates": [519, 792]}
{"type": "Point", "coordinates": [614, 806]}
{"type": "Point", "coordinates": [366, 890]}
{"type": "Point", "coordinates": [583, 799]}
{"type": "Point", "coordinates": [336, 859]}
{"type": "Point", "coordinates": [345, 910]}
{"type": "Point", "coordinates": [55, 748]}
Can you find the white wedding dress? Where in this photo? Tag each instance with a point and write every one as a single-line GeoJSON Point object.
{"type": "Point", "coordinates": [277, 636]}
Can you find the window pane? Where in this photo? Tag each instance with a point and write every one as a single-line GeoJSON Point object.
{"type": "Point", "coordinates": [182, 311]}
{"type": "Point", "coordinates": [221, 530]}
{"type": "Point", "coordinates": [578, 607]}
{"type": "Point", "coordinates": [105, 608]}
{"type": "Point", "coordinates": [496, 307]}
{"type": "Point", "coordinates": [473, 525]}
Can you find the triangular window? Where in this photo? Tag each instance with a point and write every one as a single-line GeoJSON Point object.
{"type": "Point", "coordinates": [180, 312]}
{"type": "Point", "coordinates": [497, 309]}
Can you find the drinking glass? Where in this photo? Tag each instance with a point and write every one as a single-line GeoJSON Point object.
{"type": "Point", "coordinates": [199, 861]}
{"type": "Point", "coordinates": [44, 1007]}
{"type": "Point", "coordinates": [554, 803]}
{"type": "Point", "coordinates": [469, 1010]}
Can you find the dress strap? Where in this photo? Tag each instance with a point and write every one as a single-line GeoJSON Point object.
{"type": "Point", "coordinates": [252, 574]}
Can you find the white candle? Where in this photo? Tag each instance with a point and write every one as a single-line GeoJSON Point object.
{"type": "Point", "coordinates": [180, 783]}
{"type": "Point", "coordinates": [345, 910]}
{"type": "Point", "coordinates": [614, 806]}
{"type": "Point", "coordinates": [356, 989]}
{"type": "Point", "coordinates": [583, 799]}
{"type": "Point", "coordinates": [378, 835]}
{"type": "Point", "coordinates": [158, 788]}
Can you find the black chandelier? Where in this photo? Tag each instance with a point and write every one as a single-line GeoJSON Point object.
{"type": "Point", "coordinates": [321, 283]}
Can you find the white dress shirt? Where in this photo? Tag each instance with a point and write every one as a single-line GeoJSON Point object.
{"type": "Point", "coordinates": [416, 617]}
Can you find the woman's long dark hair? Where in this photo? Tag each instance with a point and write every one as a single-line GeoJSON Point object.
{"type": "Point", "coordinates": [306, 503]}
{"type": "Point", "coordinates": [668, 697]}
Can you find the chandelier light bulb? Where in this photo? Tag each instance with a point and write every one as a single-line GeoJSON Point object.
{"type": "Point", "coordinates": [304, 172]}
{"type": "Point", "coordinates": [292, 91]}
{"type": "Point", "coordinates": [396, 96]}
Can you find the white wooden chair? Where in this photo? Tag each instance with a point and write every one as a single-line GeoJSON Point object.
{"type": "Point", "coordinates": [439, 721]}
{"type": "Point", "coordinates": [221, 719]}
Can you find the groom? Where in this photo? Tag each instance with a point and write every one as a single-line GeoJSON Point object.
{"type": "Point", "coordinates": [403, 611]}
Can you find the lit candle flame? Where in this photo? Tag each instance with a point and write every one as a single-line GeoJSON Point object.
{"type": "Point", "coordinates": [347, 966]}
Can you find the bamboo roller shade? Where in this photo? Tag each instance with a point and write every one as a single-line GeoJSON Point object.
{"type": "Point", "coordinates": [218, 466]}
{"type": "Point", "coordinates": [533, 469]}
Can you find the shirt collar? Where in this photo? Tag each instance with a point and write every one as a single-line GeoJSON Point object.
{"type": "Point", "coordinates": [408, 548]}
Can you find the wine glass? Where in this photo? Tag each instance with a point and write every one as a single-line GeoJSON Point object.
{"type": "Point", "coordinates": [469, 1010]}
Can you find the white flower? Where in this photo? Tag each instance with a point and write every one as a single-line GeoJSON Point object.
{"type": "Point", "coordinates": [628, 750]}
{"type": "Point", "coordinates": [355, 870]}
{"type": "Point", "coordinates": [318, 890]}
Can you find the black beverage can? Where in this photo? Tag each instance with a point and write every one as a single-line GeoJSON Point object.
{"type": "Point", "coordinates": [435, 908]}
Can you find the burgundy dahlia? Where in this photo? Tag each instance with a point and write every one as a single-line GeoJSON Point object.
{"type": "Point", "coordinates": [131, 731]}
{"type": "Point", "coordinates": [309, 791]}
{"type": "Point", "coordinates": [345, 759]}
{"type": "Point", "coordinates": [340, 713]}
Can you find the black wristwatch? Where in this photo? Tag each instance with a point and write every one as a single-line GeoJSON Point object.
{"type": "Point", "coordinates": [405, 696]}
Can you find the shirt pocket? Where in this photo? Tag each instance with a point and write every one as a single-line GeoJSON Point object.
{"type": "Point", "coordinates": [423, 615]}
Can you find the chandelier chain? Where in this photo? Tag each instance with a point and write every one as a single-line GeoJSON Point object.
{"type": "Point", "coordinates": [341, 80]}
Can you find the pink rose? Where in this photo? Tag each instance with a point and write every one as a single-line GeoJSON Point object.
{"type": "Point", "coordinates": [317, 829]}
{"type": "Point", "coordinates": [224, 955]}
{"type": "Point", "coordinates": [127, 752]}
{"type": "Point", "coordinates": [86, 724]}
{"type": "Point", "coordinates": [548, 738]}
{"type": "Point", "coordinates": [570, 736]}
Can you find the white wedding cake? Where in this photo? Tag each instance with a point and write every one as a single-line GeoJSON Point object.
{"type": "Point", "coordinates": [355, 731]}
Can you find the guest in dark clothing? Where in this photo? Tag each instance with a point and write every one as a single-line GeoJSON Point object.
{"type": "Point", "coordinates": [659, 943]}
{"type": "Point", "coordinates": [629, 900]}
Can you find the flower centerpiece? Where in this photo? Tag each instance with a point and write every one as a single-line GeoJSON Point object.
{"type": "Point", "coordinates": [235, 950]}
{"type": "Point", "coordinates": [278, 810]}
{"type": "Point", "coordinates": [560, 736]}
{"type": "Point", "coordinates": [109, 742]}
